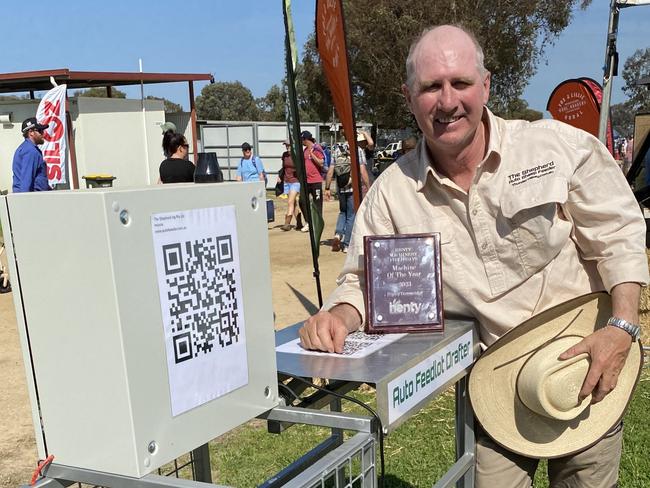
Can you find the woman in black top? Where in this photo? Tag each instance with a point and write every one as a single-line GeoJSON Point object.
{"type": "Point", "coordinates": [177, 168]}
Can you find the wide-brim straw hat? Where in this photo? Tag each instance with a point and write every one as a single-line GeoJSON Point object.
{"type": "Point", "coordinates": [527, 400]}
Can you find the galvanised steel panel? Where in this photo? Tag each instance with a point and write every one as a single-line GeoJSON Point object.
{"type": "Point", "coordinates": [382, 366]}
{"type": "Point", "coordinates": [214, 136]}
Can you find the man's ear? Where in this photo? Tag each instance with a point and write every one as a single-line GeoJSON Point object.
{"type": "Point", "coordinates": [486, 87]}
{"type": "Point", "coordinates": [407, 94]}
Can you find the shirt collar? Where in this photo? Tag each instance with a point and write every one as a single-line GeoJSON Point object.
{"type": "Point", "coordinates": [493, 153]}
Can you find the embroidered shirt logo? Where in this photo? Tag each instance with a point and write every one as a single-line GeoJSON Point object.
{"type": "Point", "coordinates": [531, 173]}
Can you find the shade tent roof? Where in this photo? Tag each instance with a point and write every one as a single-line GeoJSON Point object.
{"type": "Point", "coordinates": [40, 80]}
{"type": "Point", "coordinates": [643, 81]}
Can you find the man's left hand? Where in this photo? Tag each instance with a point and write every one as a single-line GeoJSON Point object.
{"type": "Point", "coordinates": [608, 349]}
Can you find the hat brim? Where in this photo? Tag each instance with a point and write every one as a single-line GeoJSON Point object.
{"type": "Point", "coordinates": [493, 393]}
{"type": "Point", "coordinates": [36, 127]}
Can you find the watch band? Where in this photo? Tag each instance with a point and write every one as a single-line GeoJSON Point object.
{"type": "Point", "coordinates": [630, 328]}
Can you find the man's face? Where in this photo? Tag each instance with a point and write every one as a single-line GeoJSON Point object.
{"type": "Point", "coordinates": [247, 153]}
{"type": "Point", "coordinates": [37, 136]}
{"type": "Point", "coordinates": [449, 92]}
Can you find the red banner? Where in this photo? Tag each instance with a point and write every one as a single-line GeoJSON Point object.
{"type": "Point", "coordinates": [331, 45]}
{"type": "Point", "coordinates": [577, 103]}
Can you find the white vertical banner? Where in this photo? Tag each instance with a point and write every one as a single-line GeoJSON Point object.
{"type": "Point", "coordinates": [51, 111]}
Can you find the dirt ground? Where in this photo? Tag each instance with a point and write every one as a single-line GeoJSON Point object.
{"type": "Point", "coordinates": [294, 298]}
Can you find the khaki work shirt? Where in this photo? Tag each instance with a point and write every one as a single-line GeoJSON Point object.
{"type": "Point", "coordinates": [548, 217]}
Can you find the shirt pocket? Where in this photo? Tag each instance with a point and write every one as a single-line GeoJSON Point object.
{"type": "Point", "coordinates": [532, 221]}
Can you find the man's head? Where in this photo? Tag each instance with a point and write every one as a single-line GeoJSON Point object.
{"type": "Point", "coordinates": [306, 138]}
{"type": "Point", "coordinates": [447, 87]}
{"type": "Point", "coordinates": [33, 131]}
{"type": "Point", "coordinates": [246, 150]}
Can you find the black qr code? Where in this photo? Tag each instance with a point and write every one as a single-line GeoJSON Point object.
{"type": "Point", "coordinates": [358, 341]}
{"type": "Point", "coordinates": [351, 347]}
{"type": "Point", "coordinates": [201, 289]}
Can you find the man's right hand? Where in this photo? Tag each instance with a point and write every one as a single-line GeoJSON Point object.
{"type": "Point", "coordinates": [326, 331]}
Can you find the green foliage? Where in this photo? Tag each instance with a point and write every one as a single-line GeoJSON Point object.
{"type": "Point", "coordinates": [170, 107]}
{"type": "Point", "coordinates": [513, 35]}
{"type": "Point", "coordinates": [519, 109]}
{"type": "Point", "coordinates": [636, 67]}
{"type": "Point", "coordinates": [623, 118]}
{"type": "Point", "coordinates": [312, 106]}
{"type": "Point", "coordinates": [272, 105]}
{"type": "Point", "coordinates": [226, 101]}
{"type": "Point", "coordinates": [311, 85]}
{"type": "Point", "coordinates": [99, 92]}
{"type": "Point", "coordinates": [11, 98]}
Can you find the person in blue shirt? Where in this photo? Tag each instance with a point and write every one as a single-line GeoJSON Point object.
{"type": "Point", "coordinates": [29, 169]}
{"type": "Point", "coordinates": [250, 167]}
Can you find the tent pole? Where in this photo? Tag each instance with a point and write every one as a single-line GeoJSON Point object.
{"type": "Point", "coordinates": [195, 148]}
{"type": "Point", "coordinates": [610, 68]}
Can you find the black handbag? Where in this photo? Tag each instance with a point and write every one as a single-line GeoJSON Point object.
{"type": "Point", "coordinates": [279, 186]}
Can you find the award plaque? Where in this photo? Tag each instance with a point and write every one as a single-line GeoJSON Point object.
{"type": "Point", "coordinates": [403, 283]}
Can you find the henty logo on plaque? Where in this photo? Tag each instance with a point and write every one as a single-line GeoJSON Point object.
{"type": "Point", "coordinates": [403, 283]}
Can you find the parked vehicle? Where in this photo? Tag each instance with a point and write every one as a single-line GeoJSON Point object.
{"type": "Point", "coordinates": [389, 150]}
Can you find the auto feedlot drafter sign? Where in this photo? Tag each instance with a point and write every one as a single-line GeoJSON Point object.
{"type": "Point", "coordinates": [420, 381]}
{"type": "Point", "coordinates": [199, 280]}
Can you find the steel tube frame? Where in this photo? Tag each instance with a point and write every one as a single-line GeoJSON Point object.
{"type": "Point", "coordinates": [58, 475]}
{"type": "Point", "coordinates": [323, 418]}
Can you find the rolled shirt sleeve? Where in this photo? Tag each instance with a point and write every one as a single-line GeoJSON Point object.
{"type": "Point", "coordinates": [608, 226]}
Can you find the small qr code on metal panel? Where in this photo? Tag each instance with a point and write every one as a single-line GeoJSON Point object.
{"type": "Point", "coordinates": [354, 346]}
{"type": "Point", "coordinates": [201, 289]}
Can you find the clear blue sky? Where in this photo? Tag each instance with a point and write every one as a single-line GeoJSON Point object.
{"type": "Point", "coordinates": [244, 40]}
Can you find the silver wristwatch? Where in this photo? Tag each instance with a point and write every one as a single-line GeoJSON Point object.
{"type": "Point", "coordinates": [630, 328]}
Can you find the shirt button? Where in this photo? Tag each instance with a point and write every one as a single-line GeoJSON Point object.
{"type": "Point", "coordinates": [484, 245]}
{"type": "Point", "coordinates": [474, 212]}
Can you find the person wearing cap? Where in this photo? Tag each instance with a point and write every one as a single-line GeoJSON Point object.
{"type": "Point", "coordinates": [530, 215]}
{"type": "Point", "coordinates": [250, 167]}
{"type": "Point", "coordinates": [29, 168]}
{"type": "Point", "coordinates": [314, 161]}
{"type": "Point", "coordinates": [342, 161]}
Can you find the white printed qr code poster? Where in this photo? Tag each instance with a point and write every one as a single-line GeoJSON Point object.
{"type": "Point", "coordinates": [199, 280]}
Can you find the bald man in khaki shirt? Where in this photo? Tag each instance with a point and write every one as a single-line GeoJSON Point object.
{"type": "Point", "coordinates": [530, 215]}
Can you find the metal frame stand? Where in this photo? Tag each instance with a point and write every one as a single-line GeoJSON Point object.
{"type": "Point", "coordinates": [334, 457]}
{"type": "Point", "coordinates": [462, 471]}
